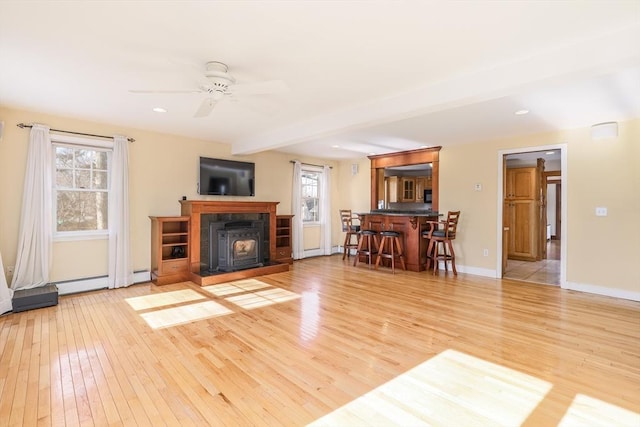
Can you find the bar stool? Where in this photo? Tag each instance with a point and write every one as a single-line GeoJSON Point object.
{"type": "Point", "coordinates": [442, 237]}
{"type": "Point", "coordinates": [351, 230]}
{"type": "Point", "coordinates": [391, 248]}
{"type": "Point", "coordinates": [367, 245]}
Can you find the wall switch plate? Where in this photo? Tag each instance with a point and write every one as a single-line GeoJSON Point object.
{"type": "Point", "coordinates": [601, 211]}
{"type": "Point", "coordinates": [485, 252]}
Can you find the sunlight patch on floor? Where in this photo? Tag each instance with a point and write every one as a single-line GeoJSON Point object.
{"type": "Point", "coordinates": [588, 411]}
{"type": "Point", "coordinates": [236, 287]}
{"type": "Point", "coordinates": [184, 314]}
{"type": "Point", "coordinates": [451, 388]}
{"type": "Point", "coordinates": [263, 298]}
{"type": "Point", "coordinates": [163, 299]}
{"type": "Point", "coordinates": [246, 293]}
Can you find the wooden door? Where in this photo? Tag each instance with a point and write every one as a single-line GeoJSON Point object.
{"type": "Point", "coordinates": [524, 215]}
{"type": "Point", "coordinates": [523, 232]}
{"type": "Point", "coordinates": [521, 183]}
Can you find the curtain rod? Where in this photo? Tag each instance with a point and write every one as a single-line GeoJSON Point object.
{"type": "Point", "coordinates": [22, 126]}
{"type": "Point", "coordinates": [310, 164]}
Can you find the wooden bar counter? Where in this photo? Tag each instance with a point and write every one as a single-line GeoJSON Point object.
{"type": "Point", "coordinates": [410, 224]}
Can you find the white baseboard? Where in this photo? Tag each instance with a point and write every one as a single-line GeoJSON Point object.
{"type": "Point", "coordinates": [581, 287]}
{"type": "Point", "coordinates": [602, 290]}
{"type": "Point", "coordinates": [485, 272]}
{"type": "Point", "coordinates": [340, 249]}
{"type": "Point", "coordinates": [95, 283]}
{"type": "Point", "coordinates": [314, 252]}
{"type": "Point", "coordinates": [141, 276]}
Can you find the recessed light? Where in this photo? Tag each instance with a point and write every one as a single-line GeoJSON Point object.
{"type": "Point", "coordinates": [550, 153]}
{"type": "Point", "coordinates": [159, 110]}
{"type": "Point", "coordinates": [522, 112]}
{"type": "Point", "coordinates": [372, 154]}
{"type": "Point", "coordinates": [335, 146]}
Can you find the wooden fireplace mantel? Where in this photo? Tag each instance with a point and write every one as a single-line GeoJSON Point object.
{"type": "Point", "coordinates": [195, 208]}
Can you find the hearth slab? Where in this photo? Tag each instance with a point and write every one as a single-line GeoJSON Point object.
{"type": "Point", "coordinates": [238, 275]}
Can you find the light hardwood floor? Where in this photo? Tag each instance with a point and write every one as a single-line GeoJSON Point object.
{"type": "Point", "coordinates": [325, 344]}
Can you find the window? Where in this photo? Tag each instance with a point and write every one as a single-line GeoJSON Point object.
{"type": "Point", "coordinates": [81, 190]}
{"type": "Point", "coordinates": [310, 191]}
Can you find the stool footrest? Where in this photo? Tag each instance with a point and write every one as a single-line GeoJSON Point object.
{"type": "Point", "coordinates": [391, 248]}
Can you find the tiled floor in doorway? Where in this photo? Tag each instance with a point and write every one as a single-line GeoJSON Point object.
{"type": "Point", "coordinates": [546, 271]}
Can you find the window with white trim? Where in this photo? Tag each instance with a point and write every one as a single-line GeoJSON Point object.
{"type": "Point", "coordinates": [81, 184]}
{"type": "Point", "coordinates": [310, 195]}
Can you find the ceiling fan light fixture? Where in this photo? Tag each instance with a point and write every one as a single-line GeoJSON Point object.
{"type": "Point", "coordinates": [216, 93]}
{"type": "Point", "coordinates": [219, 72]}
{"type": "Point", "coordinates": [218, 78]}
{"type": "Point", "coordinates": [217, 83]}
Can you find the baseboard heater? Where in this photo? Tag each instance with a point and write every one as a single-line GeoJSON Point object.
{"type": "Point", "coordinates": [74, 286]}
{"type": "Point", "coordinates": [29, 299]}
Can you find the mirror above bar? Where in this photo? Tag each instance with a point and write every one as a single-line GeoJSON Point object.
{"type": "Point", "coordinates": [402, 180]}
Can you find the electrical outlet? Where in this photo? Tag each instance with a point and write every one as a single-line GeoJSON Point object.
{"type": "Point", "coordinates": [10, 270]}
{"type": "Point", "coordinates": [485, 252]}
{"type": "Point", "coordinates": [477, 187]}
{"type": "Point", "coordinates": [601, 211]}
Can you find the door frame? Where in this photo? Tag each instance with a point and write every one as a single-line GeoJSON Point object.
{"type": "Point", "coordinates": [559, 202]}
{"type": "Point", "coordinates": [563, 214]}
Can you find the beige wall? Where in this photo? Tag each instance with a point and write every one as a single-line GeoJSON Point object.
{"type": "Point", "coordinates": [602, 251]}
{"type": "Point", "coordinates": [163, 168]}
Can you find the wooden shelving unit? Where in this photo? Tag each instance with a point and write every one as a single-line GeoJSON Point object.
{"type": "Point", "coordinates": [169, 249]}
{"type": "Point", "coordinates": [283, 238]}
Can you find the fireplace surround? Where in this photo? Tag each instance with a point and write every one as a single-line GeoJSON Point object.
{"type": "Point", "coordinates": [203, 212]}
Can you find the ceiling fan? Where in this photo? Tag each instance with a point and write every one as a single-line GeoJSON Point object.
{"type": "Point", "coordinates": [218, 83]}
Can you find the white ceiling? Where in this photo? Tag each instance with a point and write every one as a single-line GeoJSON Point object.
{"type": "Point", "coordinates": [368, 77]}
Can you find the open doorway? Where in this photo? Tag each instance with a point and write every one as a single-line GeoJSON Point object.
{"type": "Point", "coordinates": [531, 238]}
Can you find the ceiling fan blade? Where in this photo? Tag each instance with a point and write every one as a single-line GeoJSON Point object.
{"type": "Point", "coordinates": [260, 88]}
{"type": "Point", "coordinates": [165, 91]}
{"type": "Point", "coordinates": [205, 108]}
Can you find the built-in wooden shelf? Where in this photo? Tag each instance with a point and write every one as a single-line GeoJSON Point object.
{"type": "Point", "coordinates": [283, 238]}
{"type": "Point", "coordinates": [169, 249]}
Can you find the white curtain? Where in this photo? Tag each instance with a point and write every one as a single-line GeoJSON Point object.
{"type": "Point", "coordinates": [5, 293]}
{"type": "Point", "coordinates": [325, 211]}
{"type": "Point", "coordinates": [120, 263]}
{"type": "Point", "coordinates": [33, 260]}
{"type": "Point", "coordinates": [296, 209]}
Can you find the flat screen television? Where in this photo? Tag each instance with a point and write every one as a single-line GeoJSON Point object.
{"type": "Point", "coordinates": [219, 177]}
